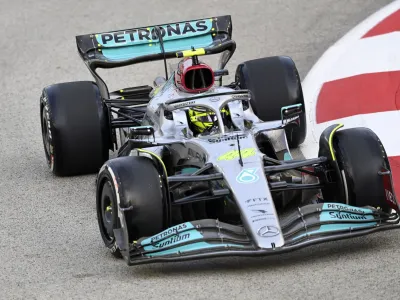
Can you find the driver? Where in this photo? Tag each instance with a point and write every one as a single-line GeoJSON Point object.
{"type": "Point", "coordinates": [204, 121]}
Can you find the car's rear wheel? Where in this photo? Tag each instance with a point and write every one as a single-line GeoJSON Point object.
{"type": "Point", "coordinates": [75, 128]}
{"type": "Point", "coordinates": [135, 183]}
{"type": "Point", "coordinates": [274, 83]}
{"type": "Point", "coordinates": [361, 157]}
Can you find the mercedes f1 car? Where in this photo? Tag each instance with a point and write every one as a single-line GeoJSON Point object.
{"type": "Point", "coordinates": [203, 168]}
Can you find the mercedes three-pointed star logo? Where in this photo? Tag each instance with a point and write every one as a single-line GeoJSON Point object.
{"type": "Point", "coordinates": [268, 231]}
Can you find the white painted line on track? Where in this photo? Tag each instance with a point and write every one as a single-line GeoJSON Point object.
{"type": "Point", "coordinates": [353, 55]}
{"type": "Point", "coordinates": [371, 55]}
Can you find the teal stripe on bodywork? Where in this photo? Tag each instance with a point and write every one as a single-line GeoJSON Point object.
{"type": "Point", "coordinates": [190, 233]}
{"type": "Point", "coordinates": [189, 170]}
{"type": "Point", "coordinates": [329, 215]}
{"type": "Point", "coordinates": [287, 156]}
{"type": "Point", "coordinates": [192, 247]}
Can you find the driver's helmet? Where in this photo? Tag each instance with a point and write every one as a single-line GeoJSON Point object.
{"type": "Point", "coordinates": [204, 120]}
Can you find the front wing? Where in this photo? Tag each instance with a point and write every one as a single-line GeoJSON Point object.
{"type": "Point", "coordinates": [308, 225]}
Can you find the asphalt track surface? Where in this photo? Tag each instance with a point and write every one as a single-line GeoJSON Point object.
{"type": "Point", "coordinates": [50, 245]}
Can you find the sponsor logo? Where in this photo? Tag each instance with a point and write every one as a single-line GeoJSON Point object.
{"type": "Point", "coordinates": [230, 138]}
{"type": "Point", "coordinates": [50, 135]}
{"type": "Point", "coordinates": [256, 202]}
{"type": "Point", "coordinates": [261, 211]}
{"type": "Point", "coordinates": [346, 216]}
{"type": "Point", "coordinates": [240, 96]}
{"type": "Point", "coordinates": [46, 108]}
{"type": "Point", "coordinates": [344, 207]}
{"type": "Point", "coordinates": [114, 248]}
{"type": "Point", "coordinates": [147, 34]}
{"type": "Point", "coordinates": [390, 197]}
{"type": "Point", "coordinates": [172, 240]}
{"type": "Point", "coordinates": [214, 99]}
{"type": "Point", "coordinates": [268, 231]}
{"type": "Point", "coordinates": [172, 230]}
{"type": "Point", "coordinates": [248, 152]}
{"type": "Point", "coordinates": [183, 104]}
{"type": "Point", "coordinates": [261, 215]}
{"type": "Point", "coordinates": [263, 219]}
{"type": "Point", "coordinates": [171, 95]}
{"type": "Point", "coordinates": [253, 200]}
{"type": "Point", "coordinates": [289, 120]}
{"type": "Point", "coordinates": [248, 176]}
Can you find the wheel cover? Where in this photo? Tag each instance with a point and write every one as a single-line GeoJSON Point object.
{"type": "Point", "coordinates": [106, 206]}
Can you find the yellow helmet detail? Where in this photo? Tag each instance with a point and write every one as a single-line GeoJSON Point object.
{"type": "Point", "coordinates": [203, 119]}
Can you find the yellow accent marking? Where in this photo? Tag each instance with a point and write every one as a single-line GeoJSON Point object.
{"type": "Point", "coordinates": [150, 41]}
{"type": "Point", "coordinates": [212, 29]}
{"type": "Point", "coordinates": [148, 28]}
{"type": "Point", "coordinates": [150, 45]}
{"type": "Point", "coordinates": [123, 98]}
{"type": "Point", "coordinates": [213, 34]}
{"type": "Point", "coordinates": [156, 90]}
{"type": "Point", "coordinates": [99, 50]}
{"type": "Point", "coordinates": [97, 35]}
{"type": "Point", "coordinates": [211, 19]}
{"type": "Point", "coordinates": [248, 152]}
{"type": "Point", "coordinates": [156, 156]}
{"type": "Point", "coordinates": [108, 208]}
{"type": "Point", "coordinates": [98, 45]}
{"type": "Point", "coordinates": [331, 140]}
{"type": "Point", "coordinates": [190, 53]}
{"type": "Point", "coordinates": [121, 91]}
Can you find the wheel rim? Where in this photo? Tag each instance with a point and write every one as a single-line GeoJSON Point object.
{"type": "Point", "coordinates": [107, 211]}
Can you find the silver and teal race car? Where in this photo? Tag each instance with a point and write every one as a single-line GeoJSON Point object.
{"type": "Point", "coordinates": [205, 169]}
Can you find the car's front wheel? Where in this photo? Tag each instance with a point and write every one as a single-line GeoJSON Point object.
{"type": "Point", "coordinates": [133, 184]}
{"type": "Point", "coordinates": [362, 161]}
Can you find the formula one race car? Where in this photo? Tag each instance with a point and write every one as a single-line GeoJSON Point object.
{"type": "Point", "coordinates": [205, 169]}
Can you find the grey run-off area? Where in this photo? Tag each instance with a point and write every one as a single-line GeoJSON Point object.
{"type": "Point", "coordinates": [50, 245]}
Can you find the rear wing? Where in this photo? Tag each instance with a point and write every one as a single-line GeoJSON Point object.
{"type": "Point", "coordinates": [125, 47]}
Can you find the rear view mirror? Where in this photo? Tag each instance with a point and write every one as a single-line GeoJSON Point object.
{"type": "Point", "coordinates": [291, 113]}
{"type": "Point", "coordinates": [141, 130]}
{"type": "Point", "coordinates": [218, 73]}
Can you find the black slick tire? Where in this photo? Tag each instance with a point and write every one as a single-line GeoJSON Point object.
{"type": "Point", "coordinates": [135, 181]}
{"type": "Point", "coordinates": [361, 155]}
{"type": "Point", "coordinates": [75, 128]}
{"type": "Point", "coordinates": [274, 83]}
